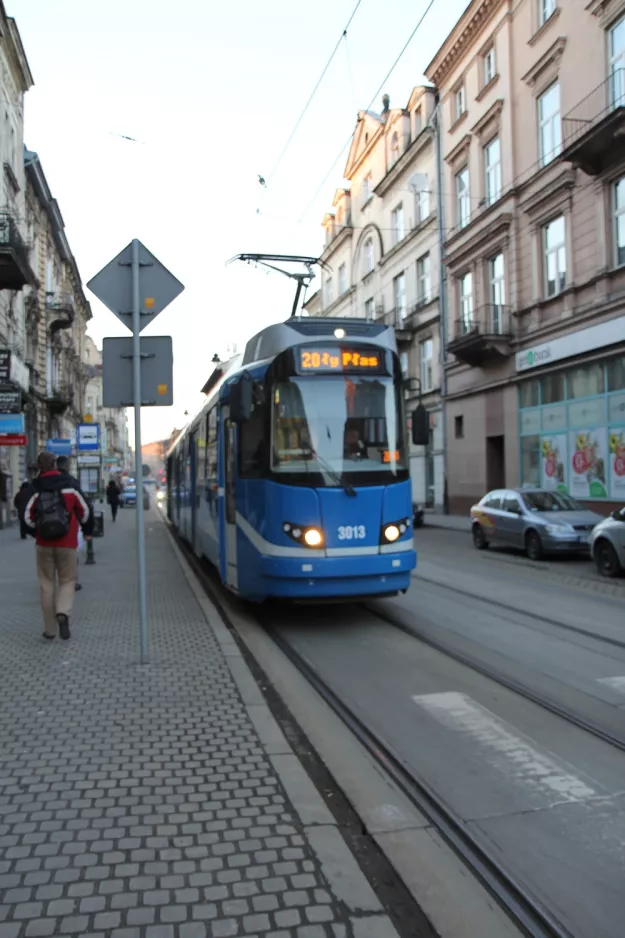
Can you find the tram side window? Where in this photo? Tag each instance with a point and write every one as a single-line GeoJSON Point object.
{"type": "Point", "coordinates": [252, 444]}
{"type": "Point", "coordinates": [211, 446]}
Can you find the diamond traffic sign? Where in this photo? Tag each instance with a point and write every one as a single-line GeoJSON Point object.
{"type": "Point", "coordinates": [114, 287]}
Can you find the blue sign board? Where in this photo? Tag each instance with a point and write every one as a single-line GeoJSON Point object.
{"type": "Point", "coordinates": [11, 423]}
{"type": "Point", "coordinates": [59, 447]}
{"type": "Point", "coordinates": [88, 439]}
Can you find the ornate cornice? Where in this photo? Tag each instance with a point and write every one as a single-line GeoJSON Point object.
{"type": "Point", "coordinates": [462, 37]}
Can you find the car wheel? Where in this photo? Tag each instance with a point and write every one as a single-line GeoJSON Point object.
{"type": "Point", "coordinates": [533, 546]}
{"type": "Point", "coordinates": [479, 538]}
{"type": "Point", "coordinates": [606, 559]}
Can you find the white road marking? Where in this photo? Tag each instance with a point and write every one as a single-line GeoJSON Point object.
{"type": "Point", "coordinates": [614, 683]}
{"type": "Point", "coordinates": [504, 747]}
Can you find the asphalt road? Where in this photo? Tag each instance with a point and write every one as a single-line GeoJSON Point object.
{"type": "Point", "coordinates": [546, 795]}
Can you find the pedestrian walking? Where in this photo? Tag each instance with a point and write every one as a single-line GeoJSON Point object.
{"type": "Point", "coordinates": [62, 464]}
{"type": "Point", "coordinates": [19, 503]}
{"type": "Point", "coordinates": [112, 496]}
{"type": "Point", "coordinates": [55, 511]}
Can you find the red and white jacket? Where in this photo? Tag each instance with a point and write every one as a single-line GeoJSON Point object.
{"type": "Point", "coordinates": [78, 508]}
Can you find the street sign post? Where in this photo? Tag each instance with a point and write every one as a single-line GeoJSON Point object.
{"type": "Point", "coordinates": [157, 363]}
{"type": "Point", "coordinates": [88, 439]}
{"type": "Point", "coordinates": [10, 401]}
{"type": "Point", "coordinates": [136, 287]}
{"type": "Point", "coordinates": [60, 447]}
{"type": "Point", "coordinates": [13, 439]}
{"type": "Point", "coordinates": [12, 423]}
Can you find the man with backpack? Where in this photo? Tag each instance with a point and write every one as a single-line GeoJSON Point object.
{"type": "Point", "coordinates": [55, 510]}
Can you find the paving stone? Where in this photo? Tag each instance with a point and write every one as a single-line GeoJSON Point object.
{"type": "Point", "coordinates": [141, 916]}
{"type": "Point", "coordinates": [147, 813]}
{"type": "Point", "coordinates": [39, 928]}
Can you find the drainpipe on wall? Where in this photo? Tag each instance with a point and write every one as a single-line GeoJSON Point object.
{"type": "Point", "coordinates": [436, 121]}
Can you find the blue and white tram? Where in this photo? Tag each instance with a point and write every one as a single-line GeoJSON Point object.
{"type": "Point", "coordinates": [293, 480]}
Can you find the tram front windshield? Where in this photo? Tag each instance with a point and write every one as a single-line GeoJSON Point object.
{"type": "Point", "coordinates": [337, 425]}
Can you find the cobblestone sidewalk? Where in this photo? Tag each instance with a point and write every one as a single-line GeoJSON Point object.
{"type": "Point", "coordinates": [140, 801]}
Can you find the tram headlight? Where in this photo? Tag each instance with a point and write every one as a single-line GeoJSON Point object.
{"type": "Point", "coordinates": [313, 537]}
{"type": "Point", "coordinates": [307, 535]}
{"type": "Point", "coordinates": [393, 531]}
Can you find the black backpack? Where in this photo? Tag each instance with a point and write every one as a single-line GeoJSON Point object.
{"type": "Point", "coordinates": [51, 516]}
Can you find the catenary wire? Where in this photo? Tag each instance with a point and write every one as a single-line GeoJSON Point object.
{"type": "Point", "coordinates": [299, 120]}
{"type": "Point", "coordinates": [373, 99]}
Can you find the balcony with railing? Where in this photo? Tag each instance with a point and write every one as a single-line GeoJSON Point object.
{"type": "Point", "coordinates": [61, 310]}
{"type": "Point", "coordinates": [483, 335]}
{"type": "Point", "coordinates": [59, 398]}
{"type": "Point", "coordinates": [398, 319]}
{"type": "Point", "coordinates": [594, 131]}
{"type": "Point", "coordinates": [15, 269]}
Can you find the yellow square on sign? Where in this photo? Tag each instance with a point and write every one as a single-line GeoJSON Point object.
{"type": "Point", "coordinates": [162, 389]}
{"type": "Point", "coordinates": [149, 302]}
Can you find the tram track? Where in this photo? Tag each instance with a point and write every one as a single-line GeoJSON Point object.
{"type": "Point", "coordinates": [518, 902]}
{"type": "Point", "coordinates": [475, 663]}
{"type": "Point", "coordinates": [521, 906]}
{"type": "Point", "coordinates": [537, 617]}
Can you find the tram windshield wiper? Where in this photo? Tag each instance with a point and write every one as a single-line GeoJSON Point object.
{"type": "Point", "coordinates": [336, 476]}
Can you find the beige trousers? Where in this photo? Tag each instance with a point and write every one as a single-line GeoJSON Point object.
{"type": "Point", "coordinates": [53, 563]}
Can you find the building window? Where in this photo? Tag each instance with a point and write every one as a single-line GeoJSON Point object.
{"type": "Point", "coordinates": [466, 303]}
{"type": "Point", "coordinates": [492, 164]}
{"type": "Point", "coordinates": [489, 66]}
{"type": "Point", "coordinates": [422, 204]}
{"type": "Point", "coordinates": [417, 123]}
{"type": "Point", "coordinates": [403, 361]}
{"type": "Point", "coordinates": [497, 292]}
{"type": "Point", "coordinates": [367, 188]}
{"type": "Point", "coordinates": [394, 148]}
{"type": "Point", "coordinates": [399, 296]}
{"type": "Point", "coordinates": [546, 9]}
{"type": "Point", "coordinates": [339, 217]}
{"type": "Point", "coordinates": [617, 63]}
{"type": "Point", "coordinates": [463, 203]}
{"type": "Point", "coordinates": [550, 128]}
{"type": "Point", "coordinates": [398, 224]}
{"type": "Point", "coordinates": [342, 279]}
{"type": "Point", "coordinates": [426, 357]}
{"type": "Point", "coordinates": [460, 102]}
{"type": "Point", "coordinates": [554, 238]}
{"type": "Point", "coordinates": [370, 308]}
{"type": "Point", "coordinates": [619, 222]}
{"type": "Point", "coordinates": [459, 427]}
{"type": "Point", "coordinates": [368, 259]}
{"type": "Point", "coordinates": [329, 293]}
{"type": "Point", "coordinates": [424, 285]}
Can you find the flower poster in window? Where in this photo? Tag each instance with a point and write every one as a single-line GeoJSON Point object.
{"type": "Point", "coordinates": [589, 462]}
{"type": "Point", "coordinates": [553, 462]}
{"type": "Point", "coordinates": [617, 464]}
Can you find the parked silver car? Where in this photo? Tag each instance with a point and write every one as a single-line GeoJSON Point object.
{"type": "Point", "coordinates": [538, 520]}
{"type": "Point", "coordinates": [607, 544]}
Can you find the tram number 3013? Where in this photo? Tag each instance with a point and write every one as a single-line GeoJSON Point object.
{"type": "Point", "coordinates": [352, 532]}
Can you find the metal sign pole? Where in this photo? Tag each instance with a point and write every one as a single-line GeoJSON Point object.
{"type": "Point", "coordinates": [136, 374]}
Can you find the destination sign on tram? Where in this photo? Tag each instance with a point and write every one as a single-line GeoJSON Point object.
{"type": "Point", "coordinates": [342, 360]}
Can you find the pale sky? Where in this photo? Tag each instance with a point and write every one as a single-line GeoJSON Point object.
{"type": "Point", "coordinates": [211, 91]}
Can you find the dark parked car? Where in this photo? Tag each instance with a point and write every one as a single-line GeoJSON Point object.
{"type": "Point", "coordinates": [540, 521]}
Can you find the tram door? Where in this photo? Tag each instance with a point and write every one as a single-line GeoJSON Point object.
{"type": "Point", "coordinates": [228, 502]}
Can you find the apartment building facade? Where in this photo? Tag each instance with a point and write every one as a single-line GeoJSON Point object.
{"type": "Point", "coordinates": [534, 182]}
{"type": "Point", "coordinates": [57, 317]}
{"type": "Point", "coordinates": [381, 257]}
{"type": "Point", "coordinates": [16, 271]}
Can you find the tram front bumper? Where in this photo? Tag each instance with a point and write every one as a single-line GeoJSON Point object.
{"type": "Point", "coordinates": [368, 575]}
